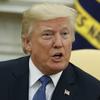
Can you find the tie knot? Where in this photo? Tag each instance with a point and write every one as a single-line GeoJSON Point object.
{"type": "Point", "coordinates": [45, 80]}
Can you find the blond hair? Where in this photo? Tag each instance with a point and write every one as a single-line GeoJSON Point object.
{"type": "Point", "coordinates": [46, 11]}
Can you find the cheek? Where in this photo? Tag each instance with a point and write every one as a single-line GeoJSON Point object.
{"type": "Point", "coordinates": [45, 43]}
{"type": "Point", "coordinates": [41, 48]}
{"type": "Point", "coordinates": [68, 49]}
{"type": "Point", "coordinates": [45, 46]}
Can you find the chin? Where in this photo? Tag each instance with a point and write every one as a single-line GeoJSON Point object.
{"type": "Point", "coordinates": [56, 68]}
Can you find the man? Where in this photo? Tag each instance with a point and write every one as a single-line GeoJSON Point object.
{"type": "Point", "coordinates": [47, 37]}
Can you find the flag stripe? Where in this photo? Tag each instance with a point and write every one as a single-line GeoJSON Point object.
{"type": "Point", "coordinates": [92, 7]}
{"type": "Point", "coordinates": [87, 26]}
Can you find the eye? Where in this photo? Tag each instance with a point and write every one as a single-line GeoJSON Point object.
{"type": "Point", "coordinates": [65, 34]}
{"type": "Point", "coordinates": [47, 34]}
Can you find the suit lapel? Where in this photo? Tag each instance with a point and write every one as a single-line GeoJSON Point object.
{"type": "Point", "coordinates": [19, 80]}
{"type": "Point", "coordinates": [66, 86]}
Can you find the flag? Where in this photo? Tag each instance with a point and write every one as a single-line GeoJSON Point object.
{"type": "Point", "coordinates": [87, 24]}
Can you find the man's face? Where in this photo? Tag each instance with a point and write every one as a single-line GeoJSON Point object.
{"type": "Point", "coordinates": [50, 45]}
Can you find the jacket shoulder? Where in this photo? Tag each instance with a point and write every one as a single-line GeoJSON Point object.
{"type": "Point", "coordinates": [11, 72]}
{"type": "Point", "coordinates": [84, 76]}
{"type": "Point", "coordinates": [6, 66]}
{"type": "Point", "coordinates": [86, 81]}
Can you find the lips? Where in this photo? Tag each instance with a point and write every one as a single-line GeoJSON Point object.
{"type": "Point", "coordinates": [57, 57]}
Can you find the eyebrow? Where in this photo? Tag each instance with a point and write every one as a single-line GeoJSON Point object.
{"type": "Point", "coordinates": [47, 28]}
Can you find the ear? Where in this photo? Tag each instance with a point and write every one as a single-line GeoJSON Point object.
{"type": "Point", "coordinates": [26, 43]}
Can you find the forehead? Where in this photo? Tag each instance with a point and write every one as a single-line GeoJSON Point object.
{"type": "Point", "coordinates": [57, 22]}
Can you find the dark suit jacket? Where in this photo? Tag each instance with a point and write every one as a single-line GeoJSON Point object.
{"type": "Point", "coordinates": [14, 82]}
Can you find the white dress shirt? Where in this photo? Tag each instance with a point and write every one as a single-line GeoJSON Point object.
{"type": "Point", "coordinates": [34, 84]}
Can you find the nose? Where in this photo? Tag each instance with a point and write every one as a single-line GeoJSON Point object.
{"type": "Point", "coordinates": [58, 42]}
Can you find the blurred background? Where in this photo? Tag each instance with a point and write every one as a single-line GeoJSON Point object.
{"type": "Point", "coordinates": [86, 48]}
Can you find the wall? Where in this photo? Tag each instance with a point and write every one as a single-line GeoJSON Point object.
{"type": "Point", "coordinates": [10, 36]}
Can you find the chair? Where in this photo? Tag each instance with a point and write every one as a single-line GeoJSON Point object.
{"type": "Point", "coordinates": [88, 60]}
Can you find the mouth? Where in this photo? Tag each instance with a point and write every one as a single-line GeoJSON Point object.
{"type": "Point", "coordinates": [57, 57]}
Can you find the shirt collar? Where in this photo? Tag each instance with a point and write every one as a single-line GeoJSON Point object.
{"type": "Point", "coordinates": [55, 78]}
{"type": "Point", "coordinates": [35, 74]}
